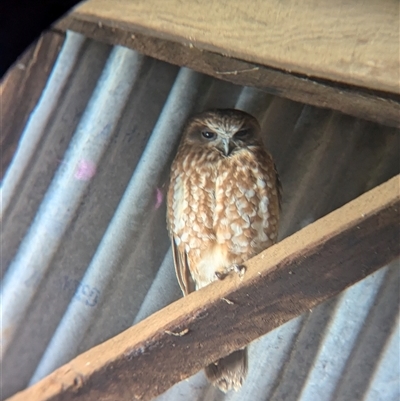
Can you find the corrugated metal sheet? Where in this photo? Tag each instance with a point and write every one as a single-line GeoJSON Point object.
{"type": "Point", "coordinates": [85, 252]}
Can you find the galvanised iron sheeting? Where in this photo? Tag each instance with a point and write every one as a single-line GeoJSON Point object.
{"type": "Point", "coordinates": [85, 252]}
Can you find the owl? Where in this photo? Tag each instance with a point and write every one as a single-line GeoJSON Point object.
{"type": "Point", "coordinates": [222, 209]}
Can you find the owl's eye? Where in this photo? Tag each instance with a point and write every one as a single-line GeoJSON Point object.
{"type": "Point", "coordinates": [242, 133]}
{"type": "Point", "coordinates": [208, 134]}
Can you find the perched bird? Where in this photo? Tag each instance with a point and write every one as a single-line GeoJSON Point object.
{"type": "Point", "coordinates": [223, 208]}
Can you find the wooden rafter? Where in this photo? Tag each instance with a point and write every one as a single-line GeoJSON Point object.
{"type": "Point", "coordinates": [21, 88]}
{"type": "Point", "coordinates": [284, 281]}
{"type": "Point", "coordinates": [337, 55]}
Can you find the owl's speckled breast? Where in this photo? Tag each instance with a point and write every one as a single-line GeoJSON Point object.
{"type": "Point", "coordinates": [226, 211]}
{"type": "Point", "coordinates": [246, 202]}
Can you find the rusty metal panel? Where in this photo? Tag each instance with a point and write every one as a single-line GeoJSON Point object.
{"type": "Point", "coordinates": [85, 252]}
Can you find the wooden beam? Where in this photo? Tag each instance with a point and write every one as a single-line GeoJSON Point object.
{"type": "Point", "coordinates": [374, 105]}
{"type": "Point", "coordinates": [351, 42]}
{"type": "Point", "coordinates": [21, 89]}
{"type": "Point", "coordinates": [284, 281]}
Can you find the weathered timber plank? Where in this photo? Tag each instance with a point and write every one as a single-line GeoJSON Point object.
{"type": "Point", "coordinates": [282, 282]}
{"type": "Point", "coordinates": [371, 105]}
{"type": "Point", "coordinates": [348, 42]}
{"type": "Point", "coordinates": [21, 88]}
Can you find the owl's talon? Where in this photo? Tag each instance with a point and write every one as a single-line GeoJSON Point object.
{"type": "Point", "coordinates": [240, 270]}
{"type": "Point", "coordinates": [220, 275]}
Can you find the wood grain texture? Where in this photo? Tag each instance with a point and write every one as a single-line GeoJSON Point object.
{"type": "Point", "coordinates": [370, 105]}
{"type": "Point", "coordinates": [354, 42]}
{"type": "Point", "coordinates": [282, 282]}
{"type": "Point", "coordinates": [21, 88]}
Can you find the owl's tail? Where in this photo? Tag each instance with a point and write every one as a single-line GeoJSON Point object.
{"type": "Point", "coordinates": [228, 373]}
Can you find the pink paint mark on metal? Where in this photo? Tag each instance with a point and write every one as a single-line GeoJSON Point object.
{"type": "Point", "coordinates": [85, 170]}
{"type": "Point", "coordinates": [159, 198]}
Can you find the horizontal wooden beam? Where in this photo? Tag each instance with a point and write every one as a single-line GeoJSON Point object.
{"type": "Point", "coordinates": [372, 105]}
{"type": "Point", "coordinates": [284, 281]}
{"type": "Point", "coordinates": [350, 42]}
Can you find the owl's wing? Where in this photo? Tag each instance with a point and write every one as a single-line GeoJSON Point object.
{"type": "Point", "coordinates": [182, 269]}
{"type": "Point", "coordinates": [175, 209]}
{"type": "Point", "coordinates": [278, 184]}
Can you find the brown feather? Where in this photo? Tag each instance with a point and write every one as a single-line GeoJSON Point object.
{"type": "Point", "coordinates": [182, 271]}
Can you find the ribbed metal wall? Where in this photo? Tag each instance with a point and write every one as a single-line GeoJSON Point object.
{"type": "Point", "coordinates": [84, 248]}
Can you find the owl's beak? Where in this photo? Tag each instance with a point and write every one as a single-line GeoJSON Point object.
{"type": "Point", "coordinates": [227, 146]}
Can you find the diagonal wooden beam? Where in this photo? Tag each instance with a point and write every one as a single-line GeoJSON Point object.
{"type": "Point", "coordinates": [20, 90]}
{"type": "Point", "coordinates": [293, 276]}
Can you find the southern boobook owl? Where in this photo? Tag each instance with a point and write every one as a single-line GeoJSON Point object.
{"type": "Point", "coordinates": [223, 209]}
